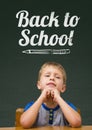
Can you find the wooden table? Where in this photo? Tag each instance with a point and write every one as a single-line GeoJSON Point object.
{"type": "Point", "coordinates": [48, 128]}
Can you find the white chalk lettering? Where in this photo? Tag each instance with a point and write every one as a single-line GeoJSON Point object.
{"type": "Point", "coordinates": [36, 21]}
{"type": "Point", "coordinates": [43, 39]}
{"type": "Point", "coordinates": [72, 22]}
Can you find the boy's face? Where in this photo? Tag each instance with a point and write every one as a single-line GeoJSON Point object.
{"type": "Point", "coordinates": [51, 77]}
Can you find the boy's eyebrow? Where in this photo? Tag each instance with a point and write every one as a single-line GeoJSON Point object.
{"type": "Point", "coordinates": [50, 72]}
{"type": "Point", "coordinates": [47, 72]}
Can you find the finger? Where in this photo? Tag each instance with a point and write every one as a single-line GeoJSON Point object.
{"type": "Point", "coordinates": [48, 93]}
{"type": "Point", "coordinates": [52, 93]}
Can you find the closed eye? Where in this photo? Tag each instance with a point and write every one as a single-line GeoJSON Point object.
{"type": "Point", "coordinates": [47, 75]}
{"type": "Point", "coordinates": [57, 77]}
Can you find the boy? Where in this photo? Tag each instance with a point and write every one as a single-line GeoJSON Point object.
{"type": "Point", "coordinates": [50, 108]}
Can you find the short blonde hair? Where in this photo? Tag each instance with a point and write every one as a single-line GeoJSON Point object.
{"type": "Point", "coordinates": [55, 64]}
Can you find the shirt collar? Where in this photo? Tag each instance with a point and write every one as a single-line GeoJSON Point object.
{"type": "Point", "coordinates": [48, 109]}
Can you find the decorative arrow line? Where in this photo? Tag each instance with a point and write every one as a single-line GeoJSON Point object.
{"type": "Point", "coordinates": [47, 51]}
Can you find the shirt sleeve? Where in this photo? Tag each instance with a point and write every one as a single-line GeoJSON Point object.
{"type": "Point", "coordinates": [28, 106]}
{"type": "Point", "coordinates": [71, 105]}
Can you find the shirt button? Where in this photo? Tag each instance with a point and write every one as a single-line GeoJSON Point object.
{"type": "Point", "coordinates": [50, 118]}
{"type": "Point", "coordinates": [51, 114]}
{"type": "Point", "coordinates": [51, 110]}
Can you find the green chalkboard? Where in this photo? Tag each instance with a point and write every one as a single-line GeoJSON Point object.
{"type": "Point", "coordinates": [56, 30]}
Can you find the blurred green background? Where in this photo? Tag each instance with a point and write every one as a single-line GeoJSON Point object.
{"type": "Point", "coordinates": [18, 71]}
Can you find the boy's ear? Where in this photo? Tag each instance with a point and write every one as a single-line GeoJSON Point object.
{"type": "Point", "coordinates": [38, 85]}
{"type": "Point", "coordinates": [63, 89]}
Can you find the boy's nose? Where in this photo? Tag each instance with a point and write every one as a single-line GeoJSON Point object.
{"type": "Point", "coordinates": [51, 77]}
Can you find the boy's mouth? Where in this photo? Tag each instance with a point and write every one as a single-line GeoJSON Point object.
{"type": "Point", "coordinates": [51, 84]}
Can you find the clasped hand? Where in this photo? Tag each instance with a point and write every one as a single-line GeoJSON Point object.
{"type": "Point", "coordinates": [50, 93]}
